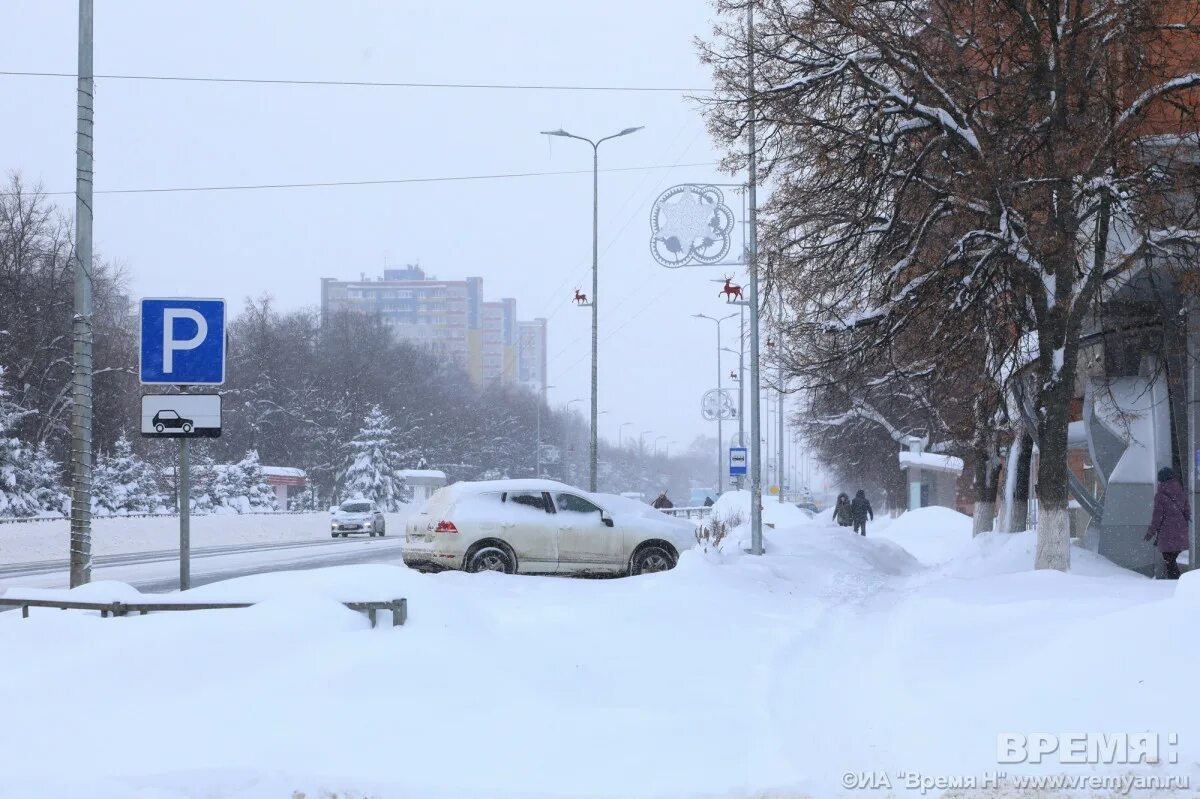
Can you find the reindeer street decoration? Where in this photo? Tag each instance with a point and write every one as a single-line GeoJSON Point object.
{"type": "Point", "coordinates": [690, 224]}
{"type": "Point", "coordinates": [580, 299]}
{"type": "Point", "coordinates": [730, 291]}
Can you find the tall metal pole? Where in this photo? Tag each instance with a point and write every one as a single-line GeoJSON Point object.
{"type": "Point", "coordinates": [780, 443]}
{"type": "Point", "coordinates": [1193, 454]}
{"type": "Point", "coordinates": [538, 468]}
{"type": "Point", "coordinates": [720, 432]}
{"type": "Point", "coordinates": [756, 547]}
{"type": "Point", "coordinates": [595, 311]}
{"type": "Point", "coordinates": [185, 517]}
{"type": "Point", "coordinates": [81, 373]}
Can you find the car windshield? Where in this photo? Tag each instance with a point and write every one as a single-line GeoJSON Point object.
{"type": "Point", "coordinates": [356, 507]}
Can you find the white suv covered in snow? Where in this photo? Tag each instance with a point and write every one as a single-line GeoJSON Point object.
{"type": "Point", "coordinates": [542, 527]}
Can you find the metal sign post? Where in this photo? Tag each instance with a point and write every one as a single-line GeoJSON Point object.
{"type": "Point", "coordinates": [185, 517]}
{"type": "Point", "coordinates": [182, 344]}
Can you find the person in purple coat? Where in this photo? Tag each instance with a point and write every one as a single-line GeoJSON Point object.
{"type": "Point", "coordinates": [1169, 524]}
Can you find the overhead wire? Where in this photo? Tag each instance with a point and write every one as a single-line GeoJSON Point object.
{"type": "Point", "coordinates": [361, 83]}
{"type": "Point", "coordinates": [377, 182]}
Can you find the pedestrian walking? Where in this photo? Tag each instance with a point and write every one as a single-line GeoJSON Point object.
{"type": "Point", "coordinates": [661, 502]}
{"type": "Point", "coordinates": [860, 509]}
{"type": "Point", "coordinates": [841, 511]}
{"type": "Point", "coordinates": [1169, 522]}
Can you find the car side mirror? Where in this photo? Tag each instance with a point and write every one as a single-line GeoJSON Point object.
{"type": "Point", "coordinates": [606, 519]}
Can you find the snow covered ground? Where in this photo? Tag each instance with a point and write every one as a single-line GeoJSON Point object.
{"type": "Point", "coordinates": [909, 650]}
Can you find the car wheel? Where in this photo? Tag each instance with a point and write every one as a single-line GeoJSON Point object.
{"type": "Point", "coordinates": [491, 559]}
{"type": "Point", "coordinates": [333, 535]}
{"type": "Point", "coordinates": [159, 428]}
{"type": "Point", "coordinates": [382, 530]}
{"type": "Point", "coordinates": [187, 428]}
{"type": "Point", "coordinates": [653, 558]}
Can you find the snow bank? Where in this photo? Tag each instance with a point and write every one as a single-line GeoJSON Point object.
{"type": "Point", "coordinates": [932, 535]}
{"type": "Point", "coordinates": [736, 504]}
{"type": "Point", "coordinates": [730, 676]}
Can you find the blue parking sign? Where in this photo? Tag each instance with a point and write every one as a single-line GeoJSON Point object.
{"type": "Point", "coordinates": [183, 341]}
{"type": "Point", "coordinates": [738, 461]}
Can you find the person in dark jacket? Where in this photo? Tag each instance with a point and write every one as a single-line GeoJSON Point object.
{"type": "Point", "coordinates": [841, 511]}
{"type": "Point", "coordinates": [708, 502]}
{"type": "Point", "coordinates": [860, 509]}
{"type": "Point", "coordinates": [662, 502]}
{"type": "Point", "coordinates": [1169, 523]}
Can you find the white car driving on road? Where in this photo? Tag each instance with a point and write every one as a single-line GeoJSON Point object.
{"type": "Point", "coordinates": [356, 516]}
{"type": "Point", "coordinates": [542, 527]}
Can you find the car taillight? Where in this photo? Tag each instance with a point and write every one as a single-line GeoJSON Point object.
{"type": "Point", "coordinates": [445, 527]}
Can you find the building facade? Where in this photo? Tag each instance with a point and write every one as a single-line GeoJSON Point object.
{"type": "Point", "coordinates": [449, 317]}
{"type": "Point", "coordinates": [531, 355]}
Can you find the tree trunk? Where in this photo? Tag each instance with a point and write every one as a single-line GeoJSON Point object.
{"type": "Point", "coordinates": [1054, 521]}
{"type": "Point", "coordinates": [1020, 499]}
{"type": "Point", "coordinates": [987, 473]}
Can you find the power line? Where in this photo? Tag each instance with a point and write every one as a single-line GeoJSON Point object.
{"type": "Point", "coordinates": [369, 83]}
{"type": "Point", "coordinates": [382, 182]}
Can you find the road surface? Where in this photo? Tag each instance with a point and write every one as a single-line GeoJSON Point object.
{"type": "Point", "coordinates": [159, 571]}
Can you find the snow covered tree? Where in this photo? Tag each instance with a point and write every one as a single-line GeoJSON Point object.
{"type": "Point", "coordinates": [46, 483]}
{"type": "Point", "coordinates": [123, 483]}
{"type": "Point", "coordinates": [1001, 163]}
{"type": "Point", "coordinates": [17, 463]}
{"type": "Point", "coordinates": [374, 463]}
{"type": "Point", "coordinates": [259, 496]}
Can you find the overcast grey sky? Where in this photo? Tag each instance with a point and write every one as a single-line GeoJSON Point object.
{"type": "Point", "coordinates": [529, 238]}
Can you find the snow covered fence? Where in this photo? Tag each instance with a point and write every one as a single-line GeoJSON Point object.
{"type": "Point", "coordinates": [398, 607]}
{"type": "Point", "coordinates": [697, 512]}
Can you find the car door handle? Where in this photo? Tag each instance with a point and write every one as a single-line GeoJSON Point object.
{"type": "Point", "coordinates": [506, 525]}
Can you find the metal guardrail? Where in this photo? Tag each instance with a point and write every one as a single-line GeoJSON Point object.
{"type": "Point", "coordinates": [25, 519]}
{"type": "Point", "coordinates": [398, 607]}
{"type": "Point", "coordinates": [696, 512]}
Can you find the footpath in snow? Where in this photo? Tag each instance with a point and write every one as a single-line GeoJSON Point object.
{"type": "Point", "coordinates": [906, 652]}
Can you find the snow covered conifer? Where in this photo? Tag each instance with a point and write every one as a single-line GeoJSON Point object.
{"type": "Point", "coordinates": [47, 487]}
{"type": "Point", "coordinates": [124, 483]}
{"type": "Point", "coordinates": [259, 495]}
{"type": "Point", "coordinates": [16, 463]}
{"type": "Point", "coordinates": [374, 463]}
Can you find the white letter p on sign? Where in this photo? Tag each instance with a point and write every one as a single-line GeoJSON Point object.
{"type": "Point", "coordinates": [170, 344]}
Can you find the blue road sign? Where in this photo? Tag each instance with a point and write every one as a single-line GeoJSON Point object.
{"type": "Point", "coordinates": [738, 461]}
{"type": "Point", "coordinates": [183, 341]}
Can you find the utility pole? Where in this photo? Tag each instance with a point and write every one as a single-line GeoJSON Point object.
{"type": "Point", "coordinates": [756, 547]}
{"type": "Point", "coordinates": [780, 444]}
{"type": "Point", "coordinates": [81, 349]}
{"type": "Point", "coordinates": [1193, 454]}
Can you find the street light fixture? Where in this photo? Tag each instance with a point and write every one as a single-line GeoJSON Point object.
{"type": "Point", "coordinates": [660, 438]}
{"type": "Point", "coordinates": [620, 431]}
{"type": "Point", "coordinates": [641, 444]}
{"type": "Point", "coordinates": [595, 279]}
{"type": "Point", "coordinates": [720, 433]}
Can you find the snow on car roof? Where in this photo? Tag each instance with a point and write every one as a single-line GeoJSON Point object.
{"type": "Point", "coordinates": [527, 484]}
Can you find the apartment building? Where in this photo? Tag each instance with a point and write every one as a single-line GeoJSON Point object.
{"type": "Point", "coordinates": [449, 317]}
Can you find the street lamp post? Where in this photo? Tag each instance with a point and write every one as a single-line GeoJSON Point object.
{"type": "Point", "coordinates": [541, 399]}
{"type": "Point", "coordinates": [660, 438]}
{"type": "Point", "coordinates": [720, 433]}
{"type": "Point", "coordinates": [641, 441]}
{"type": "Point", "coordinates": [595, 277]}
{"type": "Point", "coordinates": [620, 431]}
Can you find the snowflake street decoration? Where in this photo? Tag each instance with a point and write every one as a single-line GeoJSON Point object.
{"type": "Point", "coordinates": [690, 224]}
{"type": "Point", "coordinates": [717, 403]}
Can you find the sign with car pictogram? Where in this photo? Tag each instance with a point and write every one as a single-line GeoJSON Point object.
{"type": "Point", "coordinates": [181, 415]}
